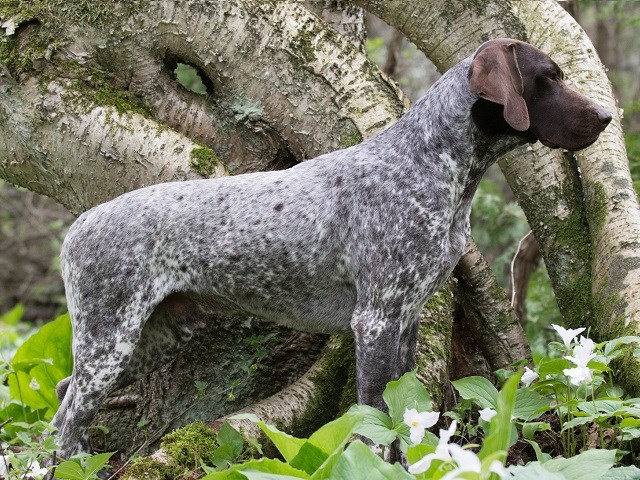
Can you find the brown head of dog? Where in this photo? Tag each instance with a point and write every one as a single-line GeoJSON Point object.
{"type": "Point", "coordinates": [522, 90]}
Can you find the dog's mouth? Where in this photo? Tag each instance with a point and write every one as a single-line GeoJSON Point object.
{"type": "Point", "coordinates": [572, 148]}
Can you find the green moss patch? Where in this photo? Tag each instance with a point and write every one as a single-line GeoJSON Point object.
{"type": "Point", "coordinates": [148, 468]}
{"type": "Point", "coordinates": [204, 161]}
{"type": "Point", "coordinates": [188, 445]}
{"type": "Point", "coordinates": [334, 390]}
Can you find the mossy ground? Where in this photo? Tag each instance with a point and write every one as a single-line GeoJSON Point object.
{"type": "Point", "coordinates": [186, 449]}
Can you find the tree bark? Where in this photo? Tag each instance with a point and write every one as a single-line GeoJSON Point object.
{"type": "Point", "coordinates": [524, 263]}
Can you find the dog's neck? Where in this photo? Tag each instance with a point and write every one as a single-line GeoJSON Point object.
{"type": "Point", "coordinates": [466, 139]}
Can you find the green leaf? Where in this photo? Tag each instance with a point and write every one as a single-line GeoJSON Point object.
{"type": "Point", "coordinates": [533, 471]}
{"type": "Point", "coordinates": [309, 458]}
{"type": "Point", "coordinates": [530, 428]}
{"type": "Point", "coordinates": [553, 367]}
{"type": "Point", "coordinates": [377, 426]}
{"type": "Point", "coordinates": [230, 436]}
{"type": "Point", "coordinates": [406, 392]}
{"type": "Point", "coordinates": [265, 468]}
{"type": "Point", "coordinates": [46, 357]}
{"type": "Point", "coordinates": [13, 316]}
{"type": "Point", "coordinates": [479, 389]}
{"type": "Point", "coordinates": [287, 445]}
{"type": "Point", "coordinates": [574, 422]}
{"type": "Point", "coordinates": [70, 470]}
{"type": "Point", "coordinates": [97, 462]}
{"type": "Point", "coordinates": [611, 345]}
{"type": "Point", "coordinates": [501, 427]}
{"type": "Point", "coordinates": [622, 473]}
{"type": "Point", "coordinates": [358, 462]}
{"type": "Point", "coordinates": [335, 434]}
{"type": "Point", "coordinates": [589, 465]}
{"type": "Point", "coordinates": [530, 404]}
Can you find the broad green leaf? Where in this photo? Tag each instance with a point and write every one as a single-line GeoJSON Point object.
{"type": "Point", "coordinates": [530, 428]}
{"type": "Point", "coordinates": [287, 445]}
{"type": "Point", "coordinates": [622, 473]}
{"type": "Point", "coordinates": [629, 422]}
{"type": "Point", "coordinates": [533, 471]}
{"type": "Point", "coordinates": [611, 345]}
{"type": "Point", "coordinates": [13, 316]}
{"type": "Point", "coordinates": [418, 452]}
{"type": "Point", "coordinates": [501, 427]}
{"type": "Point", "coordinates": [553, 367]}
{"type": "Point", "coordinates": [479, 389]}
{"type": "Point", "coordinates": [601, 406]}
{"type": "Point", "coordinates": [579, 421]}
{"type": "Point", "coordinates": [41, 362]}
{"type": "Point", "coordinates": [588, 465]}
{"type": "Point", "coordinates": [377, 426]}
{"type": "Point", "coordinates": [358, 462]}
{"type": "Point", "coordinates": [530, 404]}
{"type": "Point", "coordinates": [406, 392]}
{"type": "Point", "coordinates": [230, 436]}
{"type": "Point", "coordinates": [324, 471]}
{"type": "Point", "coordinates": [70, 470]}
{"type": "Point", "coordinates": [335, 434]}
{"type": "Point", "coordinates": [258, 469]}
{"type": "Point", "coordinates": [309, 458]}
{"type": "Point", "coordinates": [97, 462]}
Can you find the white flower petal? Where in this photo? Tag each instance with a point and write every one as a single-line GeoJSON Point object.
{"type": "Point", "coordinates": [467, 460]}
{"type": "Point", "coordinates": [416, 434]}
{"type": "Point", "coordinates": [487, 414]}
{"type": "Point", "coordinates": [578, 375]}
{"type": "Point", "coordinates": [409, 415]}
{"type": "Point", "coordinates": [33, 384]}
{"type": "Point", "coordinates": [567, 334]}
{"type": "Point", "coordinates": [528, 377]}
{"type": "Point", "coordinates": [428, 419]}
{"type": "Point", "coordinates": [422, 465]}
{"type": "Point", "coordinates": [498, 468]}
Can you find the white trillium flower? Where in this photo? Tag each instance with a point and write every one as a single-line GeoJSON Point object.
{"type": "Point", "coordinates": [466, 461]}
{"type": "Point", "coordinates": [528, 377]}
{"type": "Point", "coordinates": [36, 471]}
{"type": "Point", "coordinates": [581, 356]}
{"type": "Point", "coordinates": [441, 453]}
{"type": "Point", "coordinates": [418, 422]}
{"type": "Point", "coordinates": [567, 334]}
{"type": "Point", "coordinates": [578, 375]}
{"type": "Point", "coordinates": [487, 414]}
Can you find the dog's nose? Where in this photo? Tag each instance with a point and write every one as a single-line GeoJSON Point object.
{"type": "Point", "coordinates": [604, 116]}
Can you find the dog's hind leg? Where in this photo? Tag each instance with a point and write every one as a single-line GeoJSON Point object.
{"type": "Point", "coordinates": [102, 350]}
{"type": "Point", "coordinates": [112, 355]}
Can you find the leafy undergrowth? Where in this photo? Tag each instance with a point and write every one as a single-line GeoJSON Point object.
{"type": "Point", "coordinates": [565, 419]}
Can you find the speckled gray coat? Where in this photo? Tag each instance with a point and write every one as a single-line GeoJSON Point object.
{"type": "Point", "coordinates": [354, 240]}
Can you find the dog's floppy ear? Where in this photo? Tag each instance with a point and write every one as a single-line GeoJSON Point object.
{"type": "Point", "coordinates": [495, 76]}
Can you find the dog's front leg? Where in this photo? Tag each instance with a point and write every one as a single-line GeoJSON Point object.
{"type": "Point", "coordinates": [377, 337]}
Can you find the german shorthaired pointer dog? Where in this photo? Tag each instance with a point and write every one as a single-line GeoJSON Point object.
{"type": "Point", "coordinates": [353, 241]}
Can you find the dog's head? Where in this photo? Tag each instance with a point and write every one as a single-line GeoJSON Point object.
{"type": "Point", "coordinates": [524, 89]}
